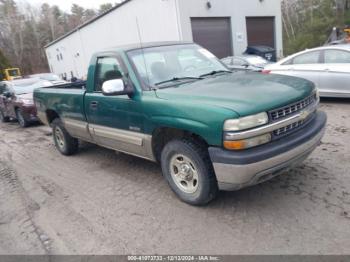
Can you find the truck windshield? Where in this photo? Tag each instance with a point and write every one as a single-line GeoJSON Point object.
{"type": "Point", "coordinates": [174, 64]}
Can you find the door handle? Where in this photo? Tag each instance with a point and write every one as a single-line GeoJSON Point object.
{"type": "Point", "coordinates": [93, 104]}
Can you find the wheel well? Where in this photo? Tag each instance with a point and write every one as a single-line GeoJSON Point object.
{"type": "Point", "coordinates": [51, 115]}
{"type": "Point", "coordinates": [161, 136]}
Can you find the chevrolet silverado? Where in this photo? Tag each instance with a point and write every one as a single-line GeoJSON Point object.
{"type": "Point", "coordinates": [175, 103]}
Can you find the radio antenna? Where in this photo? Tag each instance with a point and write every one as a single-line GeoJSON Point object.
{"type": "Point", "coordinates": [142, 50]}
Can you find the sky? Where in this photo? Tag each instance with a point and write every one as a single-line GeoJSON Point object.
{"type": "Point", "coordinates": [66, 4]}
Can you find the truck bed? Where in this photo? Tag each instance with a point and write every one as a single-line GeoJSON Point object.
{"type": "Point", "coordinates": [67, 100]}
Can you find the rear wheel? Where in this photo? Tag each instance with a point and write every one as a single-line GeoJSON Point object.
{"type": "Point", "coordinates": [20, 118]}
{"type": "Point", "coordinates": [64, 142]}
{"type": "Point", "coordinates": [3, 118]}
{"type": "Point", "coordinates": [187, 168]}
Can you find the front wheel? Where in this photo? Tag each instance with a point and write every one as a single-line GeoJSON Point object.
{"type": "Point", "coordinates": [64, 142]}
{"type": "Point", "coordinates": [187, 168]}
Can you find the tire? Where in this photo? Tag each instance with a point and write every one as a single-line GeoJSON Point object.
{"type": "Point", "coordinates": [3, 118]}
{"type": "Point", "coordinates": [21, 120]}
{"type": "Point", "coordinates": [187, 167]}
{"type": "Point", "coordinates": [64, 142]}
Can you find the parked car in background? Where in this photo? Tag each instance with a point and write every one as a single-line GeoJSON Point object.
{"type": "Point", "coordinates": [16, 100]}
{"type": "Point", "coordinates": [266, 52]}
{"type": "Point", "coordinates": [177, 104]}
{"type": "Point", "coordinates": [328, 67]}
{"type": "Point", "coordinates": [245, 62]}
{"type": "Point", "coordinates": [54, 79]}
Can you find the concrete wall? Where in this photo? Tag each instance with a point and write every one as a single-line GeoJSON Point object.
{"type": "Point", "coordinates": [159, 20]}
{"type": "Point", "coordinates": [237, 10]}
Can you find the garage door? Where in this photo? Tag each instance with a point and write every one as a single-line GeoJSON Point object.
{"type": "Point", "coordinates": [261, 31]}
{"type": "Point", "coordinates": [214, 34]}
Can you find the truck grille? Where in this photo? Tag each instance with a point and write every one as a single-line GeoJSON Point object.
{"type": "Point", "coordinates": [293, 108]}
{"type": "Point", "coordinates": [286, 129]}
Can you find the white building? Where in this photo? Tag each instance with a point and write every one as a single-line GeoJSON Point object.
{"type": "Point", "coordinates": [225, 27]}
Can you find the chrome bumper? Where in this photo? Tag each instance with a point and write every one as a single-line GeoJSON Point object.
{"type": "Point", "coordinates": [251, 171]}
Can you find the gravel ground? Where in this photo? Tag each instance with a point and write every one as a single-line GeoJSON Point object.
{"type": "Point", "coordinates": [100, 202]}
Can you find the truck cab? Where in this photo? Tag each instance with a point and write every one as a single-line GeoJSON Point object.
{"type": "Point", "coordinates": [210, 128]}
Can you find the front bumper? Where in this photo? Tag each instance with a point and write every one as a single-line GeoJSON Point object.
{"type": "Point", "coordinates": [238, 169]}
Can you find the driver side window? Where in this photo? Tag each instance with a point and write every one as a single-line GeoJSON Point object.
{"type": "Point", "coordinates": [107, 68]}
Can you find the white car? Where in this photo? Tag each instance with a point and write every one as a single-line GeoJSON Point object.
{"type": "Point", "coordinates": [245, 62]}
{"type": "Point", "coordinates": [328, 67]}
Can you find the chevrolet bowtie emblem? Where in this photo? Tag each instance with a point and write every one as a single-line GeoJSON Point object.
{"type": "Point", "coordinates": [304, 115]}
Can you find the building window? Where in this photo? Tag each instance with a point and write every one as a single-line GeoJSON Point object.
{"type": "Point", "coordinates": [71, 74]}
{"type": "Point", "coordinates": [58, 58]}
{"type": "Point", "coordinates": [61, 56]}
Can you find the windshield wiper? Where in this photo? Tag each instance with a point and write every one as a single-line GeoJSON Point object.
{"type": "Point", "coordinates": [174, 79]}
{"type": "Point", "coordinates": [215, 72]}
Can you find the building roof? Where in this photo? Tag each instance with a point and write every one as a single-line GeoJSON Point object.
{"type": "Point", "coordinates": [87, 23]}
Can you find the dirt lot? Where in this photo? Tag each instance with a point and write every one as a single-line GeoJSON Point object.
{"type": "Point", "coordinates": [100, 202]}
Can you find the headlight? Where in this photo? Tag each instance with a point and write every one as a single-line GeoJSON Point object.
{"type": "Point", "coordinates": [27, 101]}
{"type": "Point", "coordinates": [247, 143]}
{"type": "Point", "coordinates": [246, 122]}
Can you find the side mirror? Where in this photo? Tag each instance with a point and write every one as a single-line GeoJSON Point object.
{"type": "Point", "coordinates": [116, 87]}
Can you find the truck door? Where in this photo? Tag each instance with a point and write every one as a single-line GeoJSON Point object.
{"type": "Point", "coordinates": [109, 116]}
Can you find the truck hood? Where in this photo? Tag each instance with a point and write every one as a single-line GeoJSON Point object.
{"type": "Point", "coordinates": [245, 93]}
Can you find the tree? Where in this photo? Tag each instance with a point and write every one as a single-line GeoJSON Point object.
{"type": "Point", "coordinates": [105, 7]}
{"type": "Point", "coordinates": [89, 14]}
{"type": "Point", "coordinates": [23, 34]}
{"type": "Point", "coordinates": [4, 62]}
{"type": "Point", "coordinates": [12, 23]}
{"type": "Point", "coordinates": [77, 16]}
{"type": "Point", "coordinates": [308, 23]}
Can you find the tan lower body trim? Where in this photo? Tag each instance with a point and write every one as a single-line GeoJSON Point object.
{"type": "Point", "coordinates": [43, 118]}
{"type": "Point", "coordinates": [78, 129]}
{"type": "Point", "coordinates": [129, 142]}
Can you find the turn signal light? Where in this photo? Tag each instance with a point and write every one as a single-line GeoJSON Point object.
{"type": "Point", "coordinates": [234, 145]}
{"type": "Point", "coordinates": [247, 143]}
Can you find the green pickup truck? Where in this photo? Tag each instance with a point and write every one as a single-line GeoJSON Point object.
{"type": "Point", "coordinates": [175, 103]}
